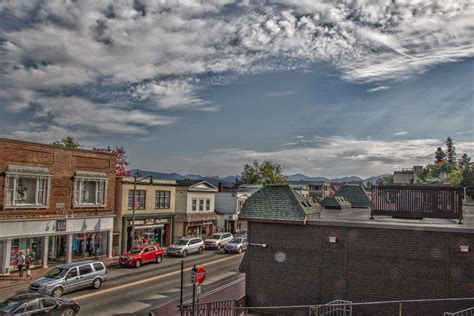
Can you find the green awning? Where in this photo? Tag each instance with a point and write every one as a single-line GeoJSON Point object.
{"type": "Point", "coordinates": [28, 171]}
{"type": "Point", "coordinates": [91, 175]}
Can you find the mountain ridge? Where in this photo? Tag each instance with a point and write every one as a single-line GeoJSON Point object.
{"type": "Point", "coordinates": [229, 180]}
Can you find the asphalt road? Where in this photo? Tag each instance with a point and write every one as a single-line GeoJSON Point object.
{"type": "Point", "coordinates": [131, 291]}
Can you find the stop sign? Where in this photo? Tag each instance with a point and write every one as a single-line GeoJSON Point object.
{"type": "Point", "coordinates": [200, 274]}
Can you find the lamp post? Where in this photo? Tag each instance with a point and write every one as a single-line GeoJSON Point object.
{"type": "Point", "coordinates": [135, 180]}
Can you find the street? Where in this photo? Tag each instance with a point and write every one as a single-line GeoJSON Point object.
{"type": "Point", "coordinates": [136, 291]}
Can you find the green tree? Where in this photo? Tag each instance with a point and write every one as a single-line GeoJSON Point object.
{"type": "Point", "coordinates": [267, 172]}
{"type": "Point", "coordinates": [68, 142]}
{"type": "Point", "coordinates": [450, 151]}
{"type": "Point", "coordinates": [384, 180]}
{"type": "Point", "coordinates": [440, 156]}
{"type": "Point", "coordinates": [464, 162]}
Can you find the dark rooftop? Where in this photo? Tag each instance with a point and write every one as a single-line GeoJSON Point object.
{"type": "Point", "coordinates": [279, 203]}
{"type": "Point", "coordinates": [355, 194]}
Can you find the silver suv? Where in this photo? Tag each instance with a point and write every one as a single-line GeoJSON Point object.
{"type": "Point", "coordinates": [236, 245]}
{"type": "Point", "coordinates": [186, 246]}
{"type": "Point", "coordinates": [70, 277]}
{"type": "Point", "coordinates": [218, 240]}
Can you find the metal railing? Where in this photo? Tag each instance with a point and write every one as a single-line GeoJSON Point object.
{"type": "Point", "coordinates": [219, 308]}
{"type": "Point", "coordinates": [464, 312]}
{"type": "Point", "coordinates": [334, 308]}
{"type": "Point", "coordinates": [417, 201]}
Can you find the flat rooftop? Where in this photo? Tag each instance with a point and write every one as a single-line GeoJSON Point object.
{"type": "Point", "coordinates": [361, 217]}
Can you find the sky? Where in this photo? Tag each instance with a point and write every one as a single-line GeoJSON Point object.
{"type": "Point", "coordinates": [325, 88]}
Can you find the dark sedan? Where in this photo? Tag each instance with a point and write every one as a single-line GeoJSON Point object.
{"type": "Point", "coordinates": [38, 304]}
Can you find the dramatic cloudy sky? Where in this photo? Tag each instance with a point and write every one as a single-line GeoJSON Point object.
{"type": "Point", "coordinates": [325, 88]}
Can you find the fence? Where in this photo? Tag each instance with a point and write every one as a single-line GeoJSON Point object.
{"type": "Point", "coordinates": [417, 201]}
{"type": "Point", "coordinates": [219, 308]}
{"type": "Point", "coordinates": [334, 308]}
{"type": "Point", "coordinates": [465, 312]}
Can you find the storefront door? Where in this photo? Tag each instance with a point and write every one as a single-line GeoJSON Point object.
{"type": "Point", "coordinates": [57, 248]}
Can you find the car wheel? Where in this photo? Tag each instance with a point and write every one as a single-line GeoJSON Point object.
{"type": "Point", "coordinates": [58, 292]}
{"type": "Point", "coordinates": [240, 250]}
{"type": "Point", "coordinates": [226, 251]}
{"type": "Point", "coordinates": [185, 253]}
{"type": "Point", "coordinates": [159, 258]}
{"type": "Point", "coordinates": [97, 283]}
{"type": "Point", "coordinates": [218, 246]}
{"type": "Point", "coordinates": [200, 250]}
{"type": "Point", "coordinates": [69, 312]}
{"type": "Point", "coordinates": [138, 263]}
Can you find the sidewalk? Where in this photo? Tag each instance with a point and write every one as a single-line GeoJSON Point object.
{"type": "Point", "coordinates": [14, 279]}
{"type": "Point", "coordinates": [232, 291]}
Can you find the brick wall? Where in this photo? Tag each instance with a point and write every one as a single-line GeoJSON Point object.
{"type": "Point", "coordinates": [300, 266]}
{"type": "Point", "coordinates": [62, 163]}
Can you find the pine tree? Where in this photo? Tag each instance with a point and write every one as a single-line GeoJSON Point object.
{"type": "Point", "coordinates": [450, 151]}
{"type": "Point", "coordinates": [464, 162]}
{"type": "Point", "coordinates": [440, 156]}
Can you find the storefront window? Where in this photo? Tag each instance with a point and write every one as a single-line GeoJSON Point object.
{"type": "Point", "coordinates": [89, 245]}
{"type": "Point", "coordinates": [29, 246]}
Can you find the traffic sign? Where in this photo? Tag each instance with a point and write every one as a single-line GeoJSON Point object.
{"type": "Point", "coordinates": [198, 290]}
{"type": "Point", "coordinates": [198, 275]}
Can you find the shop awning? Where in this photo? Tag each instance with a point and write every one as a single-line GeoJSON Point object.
{"type": "Point", "coordinates": [196, 217]}
{"type": "Point", "coordinates": [29, 171]}
{"type": "Point", "coordinates": [91, 175]}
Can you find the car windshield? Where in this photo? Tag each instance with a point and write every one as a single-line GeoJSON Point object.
{"type": "Point", "coordinates": [236, 241]}
{"type": "Point", "coordinates": [182, 242]}
{"type": "Point", "coordinates": [56, 273]}
{"type": "Point", "coordinates": [9, 306]}
{"type": "Point", "coordinates": [135, 250]}
{"type": "Point", "coordinates": [215, 237]}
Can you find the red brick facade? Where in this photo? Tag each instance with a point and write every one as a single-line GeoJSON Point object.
{"type": "Point", "coordinates": [63, 164]}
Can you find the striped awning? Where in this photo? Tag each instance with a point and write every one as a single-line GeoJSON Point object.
{"type": "Point", "coordinates": [91, 175]}
{"type": "Point", "coordinates": [28, 171]}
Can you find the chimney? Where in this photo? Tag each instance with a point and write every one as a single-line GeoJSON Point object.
{"type": "Point", "coordinates": [220, 187]}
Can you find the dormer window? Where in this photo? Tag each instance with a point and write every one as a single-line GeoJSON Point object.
{"type": "Point", "coordinates": [90, 189]}
{"type": "Point", "coordinates": [27, 187]}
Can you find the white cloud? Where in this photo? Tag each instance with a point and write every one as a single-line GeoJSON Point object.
{"type": "Point", "coordinates": [379, 88]}
{"type": "Point", "coordinates": [279, 93]}
{"type": "Point", "coordinates": [400, 133]}
{"type": "Point", "coordinates": [157, 50]}
{"type": "Point", "coordinates": [331, 157]}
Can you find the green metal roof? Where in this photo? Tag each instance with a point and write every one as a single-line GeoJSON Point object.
{"type": "Point", "coordinates": [91, 175]}
{"type": "Point", "coordinates": [24, 170]}
{"type": "Point", "coordinates": [279, 203]}
{"type": "Point", "coordinates": [355, 194]}
{"type": "Point", "coordinates": [335, 201]}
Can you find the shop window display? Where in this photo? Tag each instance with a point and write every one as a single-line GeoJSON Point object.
{"type": "Point", "coordinates": [26, 191]}
{"type": "Point", "coordinates": [89, 245]}
{"type": "Point", "coordinates": [29, 246]}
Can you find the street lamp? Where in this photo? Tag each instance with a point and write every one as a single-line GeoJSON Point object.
{"type": "Point", "coordinates": [135, 179]}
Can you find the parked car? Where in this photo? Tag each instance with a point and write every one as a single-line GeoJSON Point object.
{"type": "Point", "coordinates": [70, 277]}
{"type": "Point", "coordinates": [186, 246]}
{"type": "Point", "coordinates": [236, 245]}
{"type": "Point", "coordinates": [141, 254]}
{"type": "Point", "coordinates": [38, 304]}
{"type": "Point", "coordinates": [218, 240]}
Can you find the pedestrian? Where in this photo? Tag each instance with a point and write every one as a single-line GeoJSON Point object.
{"type": "Point", "coordinates": [29, 266]}
{"type": "Point", "coordinates": [21, 263]}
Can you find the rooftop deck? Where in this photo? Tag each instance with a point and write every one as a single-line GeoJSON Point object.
{"type": "Point", "coordinates": [361, 218]}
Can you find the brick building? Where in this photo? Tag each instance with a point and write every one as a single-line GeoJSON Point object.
{"type": "Point", "coordinates": [56, 203]}
{"type": "Point", "coordinates": [345, 255]}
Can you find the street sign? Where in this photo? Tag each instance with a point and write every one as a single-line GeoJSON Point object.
{"type": "Point", "coordinates": [200, 274]}
{"type": "Point", "coordinates": [198, 290]}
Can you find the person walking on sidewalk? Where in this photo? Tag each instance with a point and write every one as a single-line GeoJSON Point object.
{"type": "Point", "coordinates": [21, 263]}
{"type": "Point", "coordinates": [29, 266]}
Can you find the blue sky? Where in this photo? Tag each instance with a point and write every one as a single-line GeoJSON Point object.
{"type": "Point", "coordinates": [324, 88]}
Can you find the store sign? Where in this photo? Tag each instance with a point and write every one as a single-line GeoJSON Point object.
{"type": "Point", "coordinates": [61, 225]}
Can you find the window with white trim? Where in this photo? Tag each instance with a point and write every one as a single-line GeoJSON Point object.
{"type": "Point", "coordinates": [25, 190]}
{"type": "Point", "coordinates": [208, 204]}
{"type": "Point", "coordinates": [194, 205]}
{"type": "Point", "coordinates": [89, 192]}
{"type": "Point", "coordinates": [201, 204]}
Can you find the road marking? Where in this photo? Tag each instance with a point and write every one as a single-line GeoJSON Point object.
{"type": "Point", "coordinates": [158, 277]}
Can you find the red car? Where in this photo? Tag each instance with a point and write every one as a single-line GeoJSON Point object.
{"type": "Point", "coordinates": [141, 254]}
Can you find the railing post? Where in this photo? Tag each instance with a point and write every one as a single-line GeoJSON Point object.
{"type": "Point", "coordinates": [400, 311]}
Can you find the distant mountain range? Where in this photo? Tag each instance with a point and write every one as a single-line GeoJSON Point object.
{"type": "Point", "coordinates": [229, 180]}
